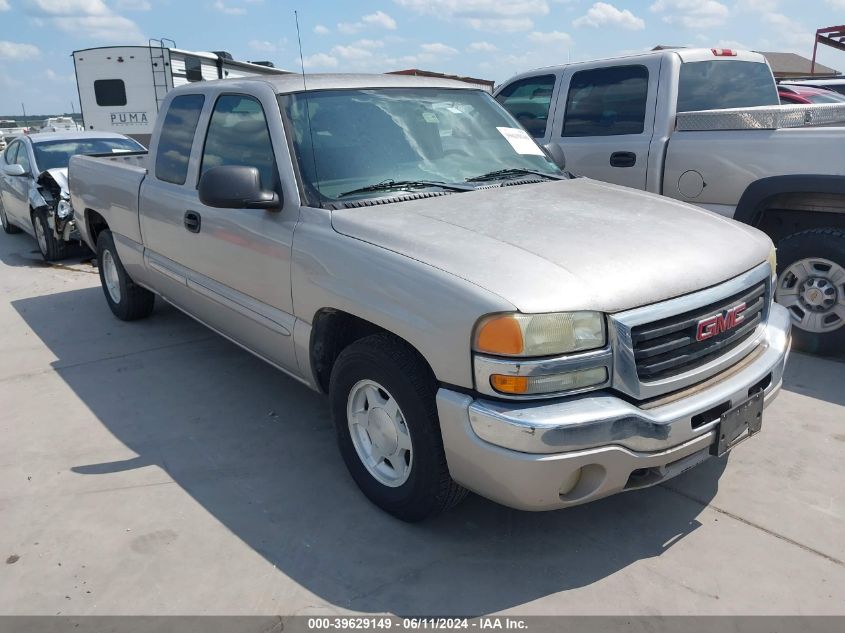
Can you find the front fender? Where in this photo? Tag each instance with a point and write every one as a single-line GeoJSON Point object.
{"type": "Point", "coordinates": [431, 309]}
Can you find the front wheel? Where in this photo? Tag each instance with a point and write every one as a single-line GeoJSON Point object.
{"type": "Point", "coordinates": [811, 285]}
{"type": "Point", "coordinates": [383, 405]}
{"type": "Point", "coordinates": [127, 300]}
{"type": "Point", "coordinates": [51, 248]}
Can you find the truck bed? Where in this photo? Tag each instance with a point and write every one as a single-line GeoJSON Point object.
{"type": "Point", "coordinates": [107, 184]}
{"type": "Point", "coordinates": [762, 118]}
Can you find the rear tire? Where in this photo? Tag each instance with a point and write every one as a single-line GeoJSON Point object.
{"type": "Point", "coordinates": [811, 285]}
{"type": "Point", "coordinates": [128, 301]}
{"type": "Point", "coordinates": [4, 221]}
{"type": "Point", "coordinates": [383, 393]}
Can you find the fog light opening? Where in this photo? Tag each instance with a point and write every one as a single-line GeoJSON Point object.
{"type": "Point", "coordinates": [590, 480]}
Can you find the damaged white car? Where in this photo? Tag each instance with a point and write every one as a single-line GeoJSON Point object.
{"type": "Point", "coordinates": [34, 188]}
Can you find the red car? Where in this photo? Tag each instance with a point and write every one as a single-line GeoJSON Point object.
{"type": "Point", "coordinates": [807, 94]}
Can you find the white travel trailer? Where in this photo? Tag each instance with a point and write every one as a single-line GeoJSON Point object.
{"type": "Point", "coordinates": [122, 87]}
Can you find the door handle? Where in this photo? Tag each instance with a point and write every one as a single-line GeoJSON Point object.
{"type": "Point", "coordinates": [193, 221]}
{"type": "Point", "coordinates": [623, 159]}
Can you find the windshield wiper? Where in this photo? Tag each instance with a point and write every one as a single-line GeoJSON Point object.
{"type": "Point", "coordinates": [513, 172]}
{"type": "Point", "coordinates": [387, 185]}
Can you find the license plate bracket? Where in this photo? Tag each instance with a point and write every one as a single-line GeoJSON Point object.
{"type": "Point", "coordinates": [738, 424]}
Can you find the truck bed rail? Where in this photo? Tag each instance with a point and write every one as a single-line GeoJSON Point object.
{"type": "Point", "coordinates": [761, 118]}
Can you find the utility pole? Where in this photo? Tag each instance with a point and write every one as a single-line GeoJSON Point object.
{"type": "Point", "coordinates": [23, 107]}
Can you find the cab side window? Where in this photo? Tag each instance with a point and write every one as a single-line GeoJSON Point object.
{"type": "Point", "coordinates": [606, 102]}
{"type": "Point", "coordinates": [529, 101]}
{"type": "Point", "coordinates": [238, 135]}
{"type": "Point", "coordinates": [177, 137]}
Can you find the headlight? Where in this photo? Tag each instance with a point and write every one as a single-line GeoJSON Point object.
{"type": "Point", "coordinates": [63, 209]}
{"type": "Point", "coordinates": [532, 335]}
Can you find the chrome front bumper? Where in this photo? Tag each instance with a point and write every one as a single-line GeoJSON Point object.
{"type": "Point", "coordinates": [541, 456]}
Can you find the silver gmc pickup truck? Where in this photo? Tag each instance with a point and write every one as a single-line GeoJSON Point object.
{"type": "Point", "coordinates": [479, 318]}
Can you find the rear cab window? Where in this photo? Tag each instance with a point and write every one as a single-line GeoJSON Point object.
{"type": "Point", "coordinates": [721, 84]}
{"type": "Point", "coordinates": [529, 101]}
{"type": "Point", "coordinates": [177, 137]}
{"type": "Point", "coordinates": [606, 102]}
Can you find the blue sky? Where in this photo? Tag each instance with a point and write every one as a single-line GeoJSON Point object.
{"type": "Point", "coordinates": [485, 38]}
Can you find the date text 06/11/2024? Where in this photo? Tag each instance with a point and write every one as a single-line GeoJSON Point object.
{"type": "Point", "coordinates": [414, 624]}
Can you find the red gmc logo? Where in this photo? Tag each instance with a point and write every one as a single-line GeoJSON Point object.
{"type": "Point", "coordinates": [718, 323]}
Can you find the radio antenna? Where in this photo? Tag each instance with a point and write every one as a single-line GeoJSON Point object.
{"type": "Point", "coordinates": [314, 185]}
{"type": "Point", "coordinates": [301, 58]}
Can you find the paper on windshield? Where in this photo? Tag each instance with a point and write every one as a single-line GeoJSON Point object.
{"type": "Point", "coordinates": [520, 141]}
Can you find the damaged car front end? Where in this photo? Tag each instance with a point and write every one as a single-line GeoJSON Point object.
{"type": "Point", "coordinates": [51, 196]}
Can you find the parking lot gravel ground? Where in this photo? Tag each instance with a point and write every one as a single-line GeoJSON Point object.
{"type": "Point", "coordinates": [155, 468]}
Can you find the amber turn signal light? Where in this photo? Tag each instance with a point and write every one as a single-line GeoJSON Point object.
{"type": "Point", "coordinates": [500, 335]}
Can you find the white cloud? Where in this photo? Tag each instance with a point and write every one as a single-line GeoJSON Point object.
{"type": "Point", "coordinates": [224, 8]}
{"type": "Point", "coordinates": [438, 48]}
{"type": "Point", "coordinates": [319, 60]}
{"type": "Point", "coordinates": [837, 4]}
{"type": "Point", "coordinates": [321, 30]}
{"type": "Point", "coordinates": [604, 14]}
{"type": "Point", "coordinates": [70, 7]}
{"type": "Point", "coordinates": [52, 75]}
{"type": "Point", "coordinates": [91, 19]}
{"type": "Point", "coordinates": [377, 19]}
{"type": "Point", "coordinates": [4, 5]}
{"type": "Point", "coordinates": [349, 27]}
{"type": "Point", "coordinates": [692, 14]}
{"type": "Point", "coordinates": [355, 53]}
{"type": "Point", "coordinates": [380, 18]}
{"type": "Point", "coordinates": [483, 15]}
{"type": "Point", "coordinates": [133, 5]}
{"type": "Point", "coordinates": [18, 51]}
{"type": "Point", "coordinates": [481, 47]}
{"type": "Point", "coordinates": [368, 43]}
{"type": "Point", "coordinates": [550, 37]}
{"type": "Point", "coordinates": [264, 46]}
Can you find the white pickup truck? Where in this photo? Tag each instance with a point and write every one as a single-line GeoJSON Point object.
{"type": "Point", "coordinates": [705, 126]}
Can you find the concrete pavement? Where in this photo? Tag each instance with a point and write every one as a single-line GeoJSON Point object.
{"type": "Point", "coordinates": [155, 468]}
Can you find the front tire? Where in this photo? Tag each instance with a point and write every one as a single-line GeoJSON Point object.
{"type": "Point", "coordinates": [128, 301]}
{"type": "Point", "coordinates": [4, 221]}
{"type": "Point", "coordinates": [51, 248]}
{"type": "Point", "coordinates": [383, 405]}
{"type": "Point", "coordinates": [811, 285]}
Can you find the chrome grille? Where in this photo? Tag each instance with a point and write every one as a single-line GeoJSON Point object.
{"type": "Point", "coordinates": [669, 347]}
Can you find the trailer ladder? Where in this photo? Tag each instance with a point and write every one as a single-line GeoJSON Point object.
{"type": "Point", "coordinates": [160, 66]}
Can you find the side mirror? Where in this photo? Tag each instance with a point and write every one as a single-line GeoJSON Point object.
{"type": "Point", "coordinates": [236, 187]}
{"type": "Point", "coordinates": [15, 170]}
{"type": "Point", "coordinates": [554, 151]}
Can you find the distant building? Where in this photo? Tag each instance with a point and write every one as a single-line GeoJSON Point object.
{"type": "Point", "coordinates": [484, 84]}
{"type": "Point", "coordinates": [784, 65]}
{"type": "Point", "coordinates": [790, 65]}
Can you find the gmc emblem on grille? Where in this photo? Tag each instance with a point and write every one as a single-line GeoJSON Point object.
{"type": "Point", "coordinates": [718, 323]}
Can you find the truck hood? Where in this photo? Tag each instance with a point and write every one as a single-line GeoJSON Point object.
{"type": "Point", "coordinates": [564, 245]}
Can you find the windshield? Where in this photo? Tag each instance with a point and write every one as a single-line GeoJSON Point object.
{"type": "Point", "coordinates": [361, 138]}
{"type": "Point", "coordinates": [717, 85]}
{"type": "Point", "coordinates": [56, 154]}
